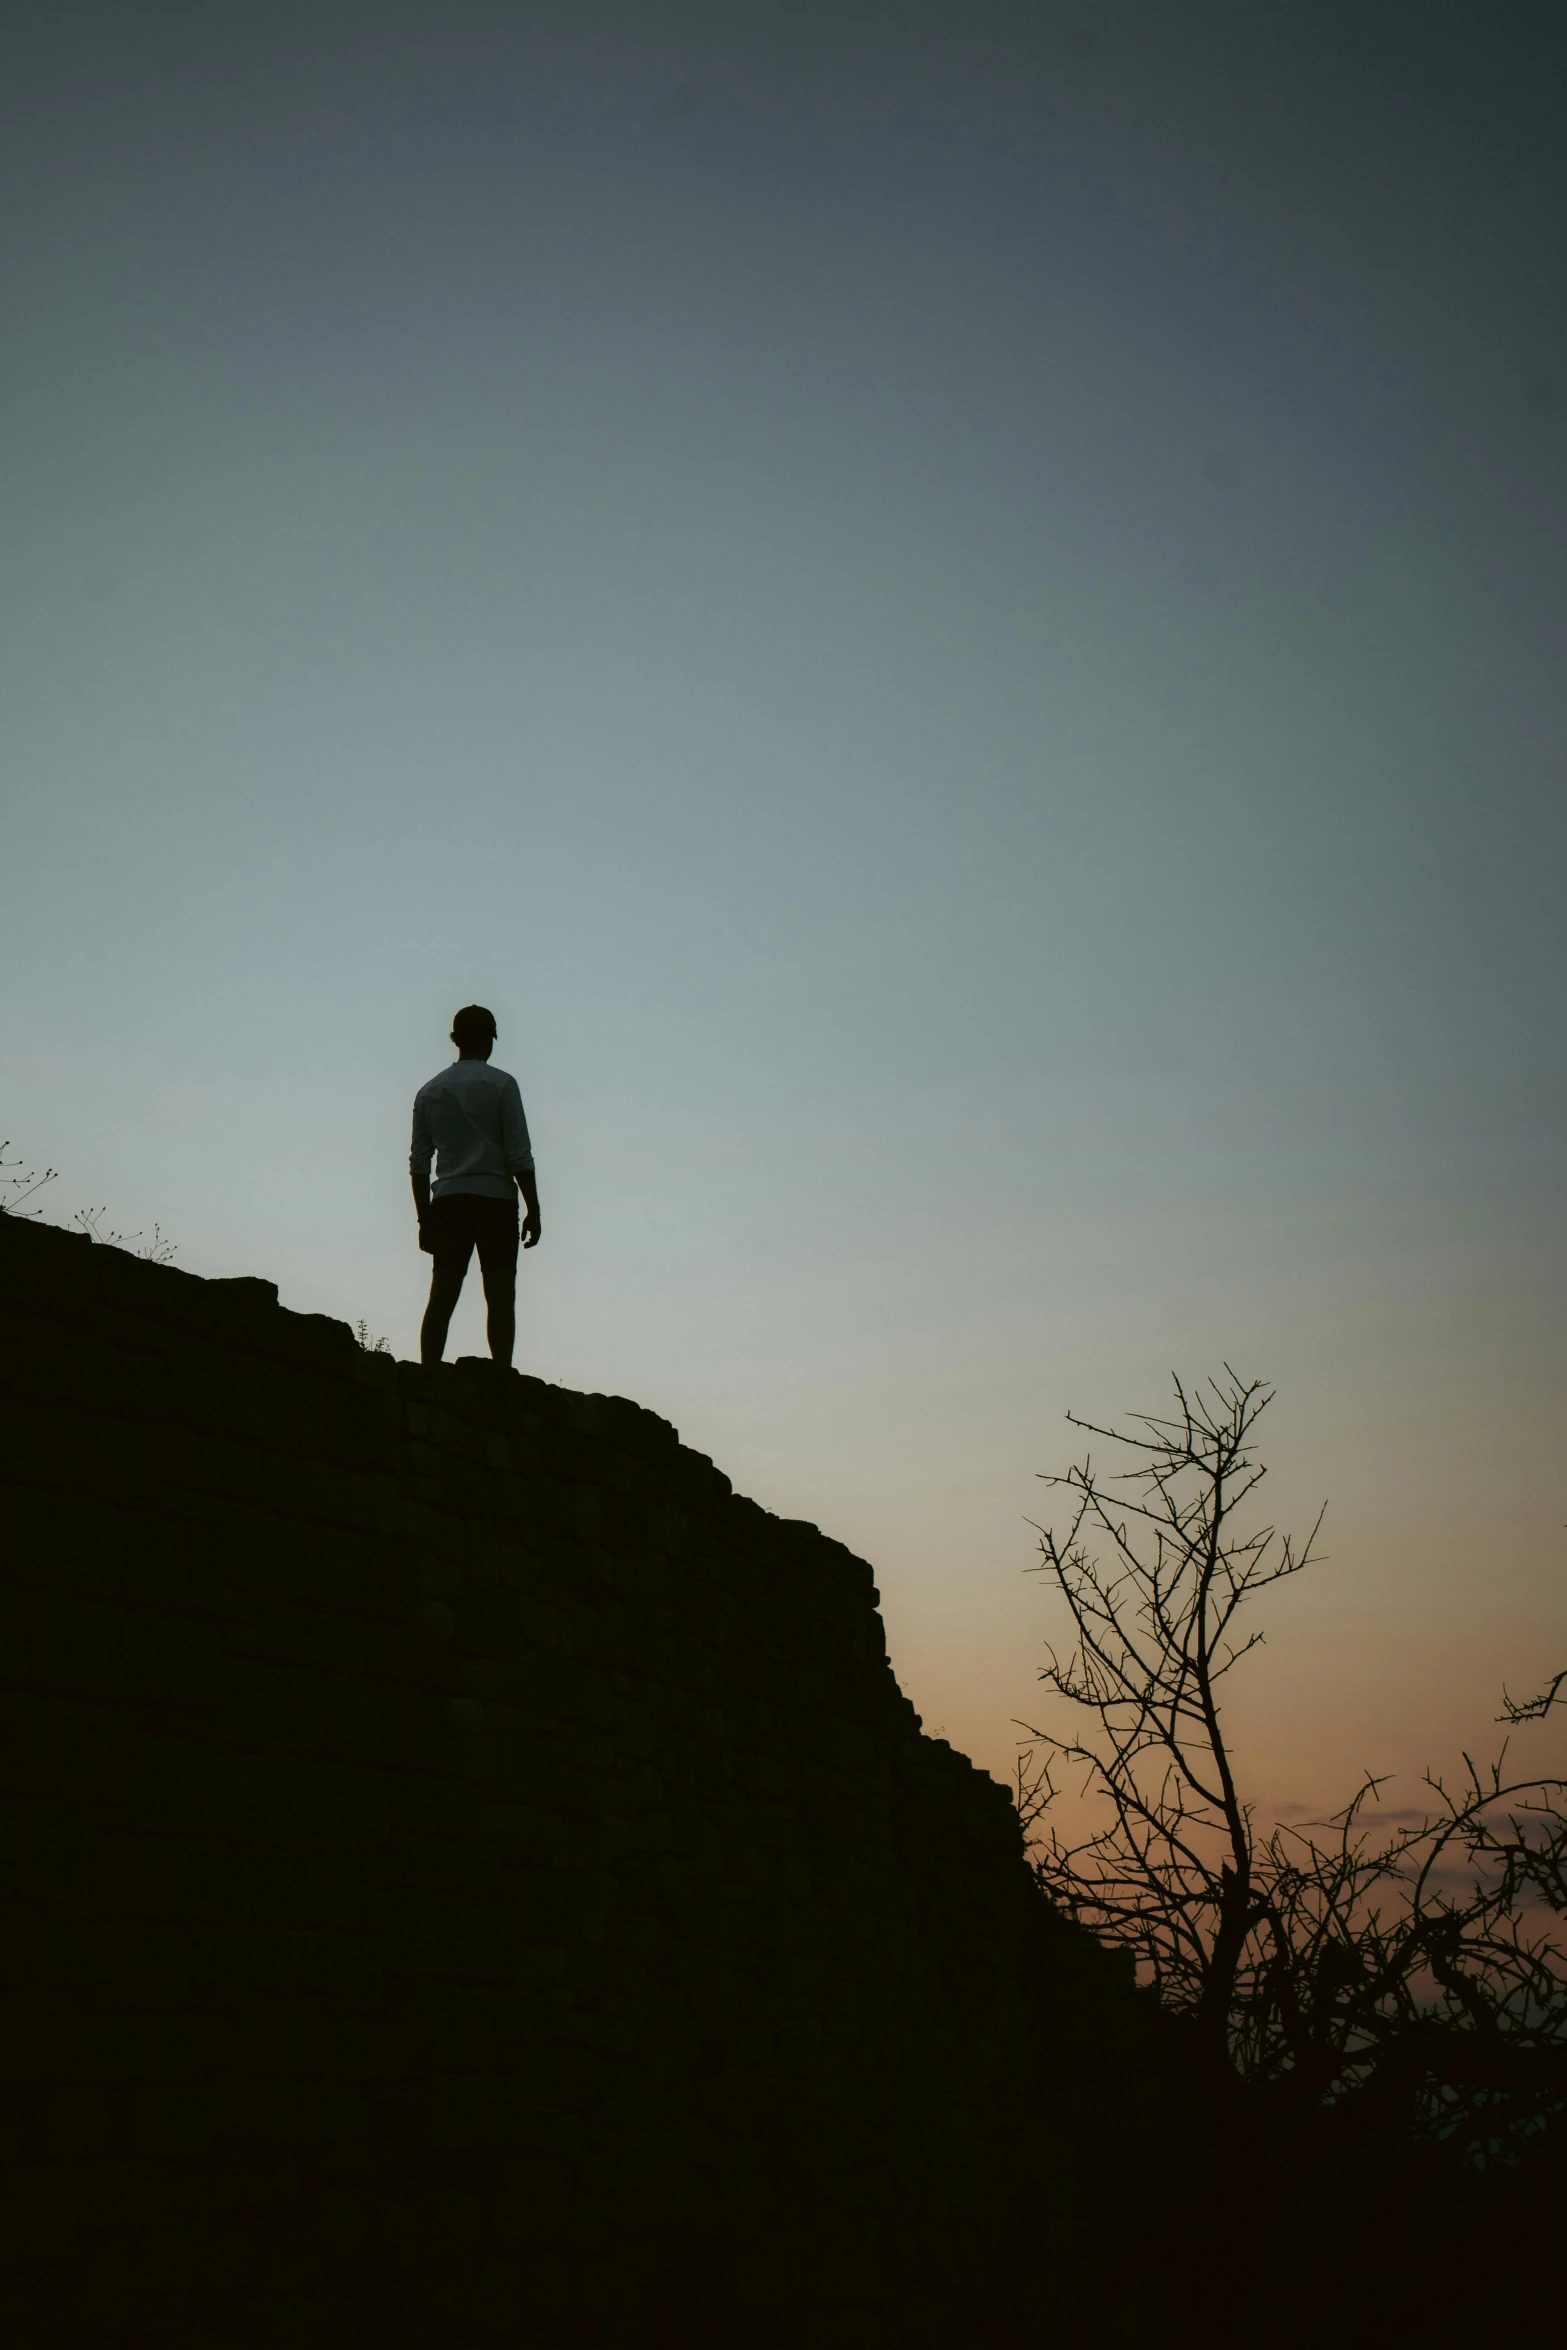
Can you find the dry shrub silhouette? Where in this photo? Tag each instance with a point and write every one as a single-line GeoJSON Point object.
{"type": "Point", "coordinates": [1403, 1976]}
{"type": "Point", "coordinates": [19, 1183]}
{"type": "Point", "coordinates": [156, 1251]}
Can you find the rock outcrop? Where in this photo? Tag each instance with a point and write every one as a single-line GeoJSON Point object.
{"type": "Point", "coordinates": [470, 1877]}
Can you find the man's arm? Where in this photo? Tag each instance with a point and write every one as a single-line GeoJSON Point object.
{"type": "Point", "coordinates": [419, 1158]}
{"type": "Point", "coordinates": [527, 1184]}
{"type": "Point", "coordinates": [519, 1157]}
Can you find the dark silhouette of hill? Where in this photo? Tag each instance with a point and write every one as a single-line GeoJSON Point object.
{"type": "Point", "coordinates": [475, 1878]}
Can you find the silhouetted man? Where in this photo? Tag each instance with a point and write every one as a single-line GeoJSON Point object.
{"type": "Point", "coordinates": [471, 1119]}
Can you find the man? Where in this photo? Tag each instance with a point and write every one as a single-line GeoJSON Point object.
{"type": "Point", "coordinates": [472, 1116]}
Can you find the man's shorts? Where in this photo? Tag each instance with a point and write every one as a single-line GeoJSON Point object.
{"type": "Point", "coordinates": [464, 1221]}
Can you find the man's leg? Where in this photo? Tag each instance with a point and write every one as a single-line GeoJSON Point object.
{"type": "Point", "coordinates": [500, 1304]}
{"type": "Point", "coordinates": [498, 1264]}
{"type": "Point", "coordinates": [445, 1290]}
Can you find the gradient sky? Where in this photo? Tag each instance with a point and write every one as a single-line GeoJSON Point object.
{"type": "Point", "coordinates": [955, 613]}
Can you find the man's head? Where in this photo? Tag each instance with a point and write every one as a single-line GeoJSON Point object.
{"type": "Point", "coordinates": [473, 1032]}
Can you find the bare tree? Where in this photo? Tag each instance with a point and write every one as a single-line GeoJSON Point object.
{"type": "Point", "coordinates": [1324, 1964]}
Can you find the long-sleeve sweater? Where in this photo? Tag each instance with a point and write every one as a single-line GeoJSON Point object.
{"type": "Point", "coordinates": [470, 1118]}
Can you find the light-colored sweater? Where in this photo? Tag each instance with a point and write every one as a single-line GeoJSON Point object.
{"type": "Point", "coordinates": [472, 1116]}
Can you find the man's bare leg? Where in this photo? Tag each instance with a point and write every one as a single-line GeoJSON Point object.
{"type": "Point", "coordinates": [445, 1290]}
{"type": "Point", "coordinates": [501, 1316]}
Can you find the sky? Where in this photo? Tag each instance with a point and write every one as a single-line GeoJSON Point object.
{"type": "Point", "coordinates": [954, 613]}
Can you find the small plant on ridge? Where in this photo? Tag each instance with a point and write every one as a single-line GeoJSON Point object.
{"type": "Point", "coordinates": [15, 1188]}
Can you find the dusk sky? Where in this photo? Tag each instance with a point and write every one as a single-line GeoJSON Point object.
{"type": "Point", "coordinates": [956, 614]}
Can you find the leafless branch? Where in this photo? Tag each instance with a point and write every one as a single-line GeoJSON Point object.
{"type": "Point", "coordinates": [1532, 1709]}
